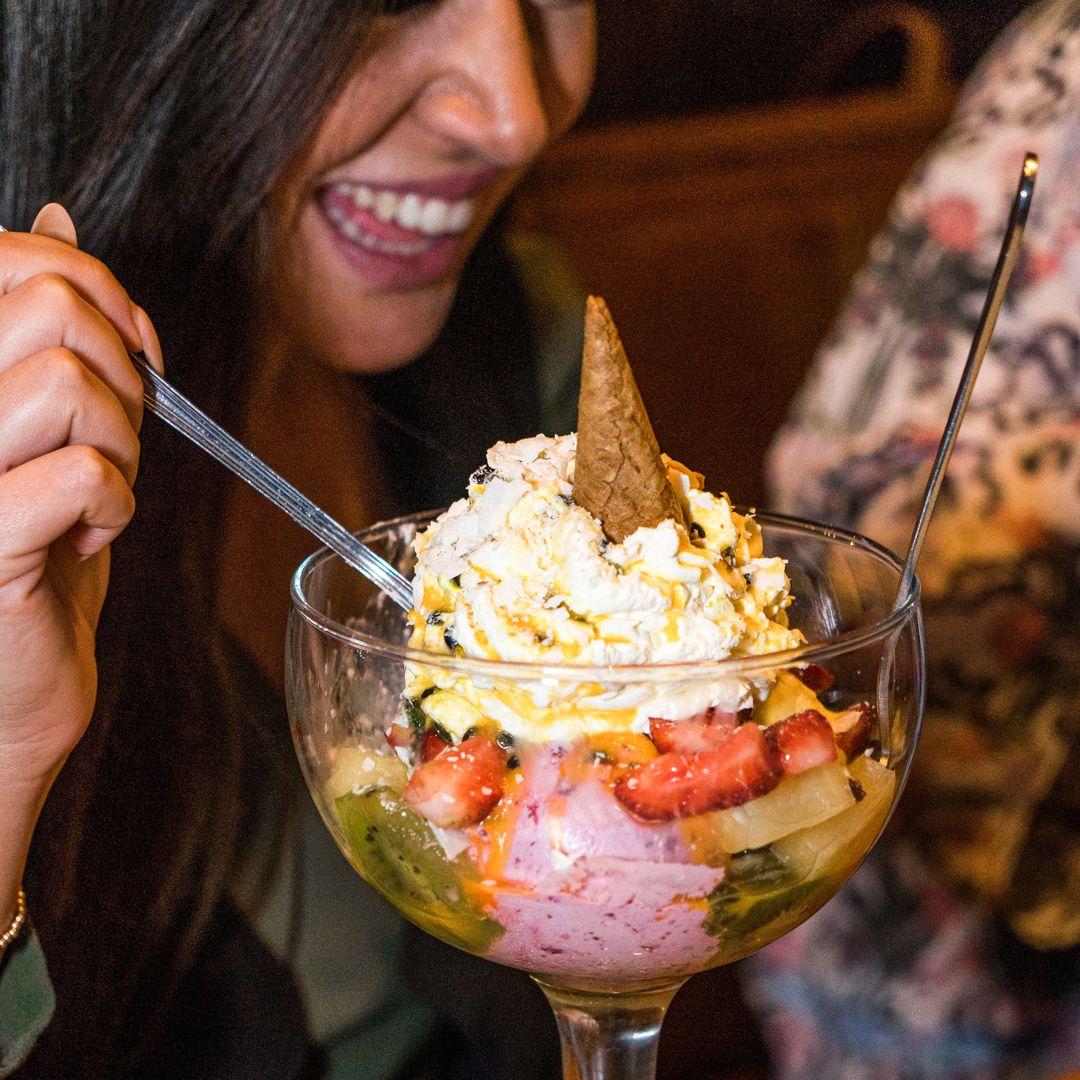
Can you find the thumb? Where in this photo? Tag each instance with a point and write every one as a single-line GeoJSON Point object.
{"type": "Point", "coordinates": [53, 220]}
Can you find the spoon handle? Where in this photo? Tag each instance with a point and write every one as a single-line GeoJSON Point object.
{"type": "Point", "coordinates": [187, 418]}
{"type": "Point", "coordinates": [1010, 248]}
{"type": "Point", "coordinates": [178, 412]}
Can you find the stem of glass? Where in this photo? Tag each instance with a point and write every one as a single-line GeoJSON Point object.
{"type": "Point", "coordinates": [609, 1036]}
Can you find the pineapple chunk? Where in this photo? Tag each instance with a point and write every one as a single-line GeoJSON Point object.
{"type": "Point", "coordinates": [456, 713]}
{"type": "Point", "coordinates": [357, 770]}
{"type": "Point", "coordinates": [789, 695]}
{"type": "Point", "coordinates": [795, 804]}
{"type": "Point", "coordinates": [836, 845]}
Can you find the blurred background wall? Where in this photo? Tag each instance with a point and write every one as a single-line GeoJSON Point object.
{"type": "Point", "coordinates": [735, 162]}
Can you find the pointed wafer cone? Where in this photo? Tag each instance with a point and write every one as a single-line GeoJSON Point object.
{"type": "Point", "coordinates": [619, 475]}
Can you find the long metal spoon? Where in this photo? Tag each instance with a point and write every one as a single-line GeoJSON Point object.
{"type": "Point", "coordinates": [166, 402]}
{"type": "Point", "coordinates": [1010, 248]}
{"type": "Point", "coordinates": [1006, 262]}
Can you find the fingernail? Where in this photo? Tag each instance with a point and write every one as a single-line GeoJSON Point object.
{"type": "Point", "coordinates": [151, 347]}
{"type": "Point", "coordinates": [53, 220]}
{"type": "Point", "coordinates": [83, 541]}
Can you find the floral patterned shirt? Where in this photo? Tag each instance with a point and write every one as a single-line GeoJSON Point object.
{"type": "Point", "coordinates": [953, 951]}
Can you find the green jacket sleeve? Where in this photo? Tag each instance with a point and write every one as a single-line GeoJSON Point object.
{"type": "Point", "coordinates": [26, 1000]}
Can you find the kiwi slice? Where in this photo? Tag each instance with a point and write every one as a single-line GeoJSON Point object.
{"type": "Point", "coordinates": [398, 855]}
{"type": "Point", "coordinates": [758, 889]}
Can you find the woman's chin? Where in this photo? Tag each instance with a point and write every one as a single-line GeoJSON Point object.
{"type": "Point", "coordinates": [347, 309]}
{"type": "Point", "coordinates": [361, 334]}
{"type": "Point", "coordinates": [384, 333]}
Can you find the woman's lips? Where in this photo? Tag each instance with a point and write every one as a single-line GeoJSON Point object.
{"type": "Point", "coordinates": [394, 237]}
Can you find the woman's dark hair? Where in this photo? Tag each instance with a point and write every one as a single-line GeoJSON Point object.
{"type": "Point", "coordinates": [162, 125]}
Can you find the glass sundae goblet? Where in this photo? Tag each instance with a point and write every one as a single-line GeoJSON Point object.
{"type": "Point", "coordinates": [570, 876]}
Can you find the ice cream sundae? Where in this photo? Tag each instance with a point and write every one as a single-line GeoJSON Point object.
{"type": "Point", "coordinates": [600, 831]}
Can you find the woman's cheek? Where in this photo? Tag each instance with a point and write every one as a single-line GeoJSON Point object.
{"type": "Point", "coordinates": [566, 61]}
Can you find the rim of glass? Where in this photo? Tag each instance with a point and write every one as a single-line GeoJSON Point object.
{"type": "Point", "coordinates": [710, 669]}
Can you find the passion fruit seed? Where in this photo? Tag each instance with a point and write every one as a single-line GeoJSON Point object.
{"type": "Point", "coordinates": [482, 475]}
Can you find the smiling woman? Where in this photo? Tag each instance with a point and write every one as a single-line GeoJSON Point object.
{"type": "Point", "coordinates": [301, 194]}
{"type": "Point", "coordinates": [450, 104]}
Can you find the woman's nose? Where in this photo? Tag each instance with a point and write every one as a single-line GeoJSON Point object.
{"type": "Point", "coordinates": [487, 95]}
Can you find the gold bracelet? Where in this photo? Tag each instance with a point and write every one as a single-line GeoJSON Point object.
{"type": "Point", "coordinates": [12, 931]}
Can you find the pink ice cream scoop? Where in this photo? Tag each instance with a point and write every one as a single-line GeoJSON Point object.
{"type": "Point", "coordinates": [594, 894]}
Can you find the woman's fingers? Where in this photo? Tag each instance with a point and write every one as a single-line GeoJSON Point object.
{"type": "Point", "coordinates": [53, 220]}
{"type": "Point", "coordinates": [44, 499]}
{"type": "Point", "coordinates": [23, 256]}
{"type": "Point", "coordinates": [52, 399]}
{"type": "Point", "coordinates": [151, 345]}
{"type": "Point", "coordinates": [52, 247]}
{"type": "Point", "coordinates": [46, 312]}
{"type": "Point", "coordinates": [70, 399]}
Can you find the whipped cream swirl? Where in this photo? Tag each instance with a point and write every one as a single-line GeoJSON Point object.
{"type": "Point", "coordinates": [517, 571]}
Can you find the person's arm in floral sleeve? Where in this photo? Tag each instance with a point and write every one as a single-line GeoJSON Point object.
{"type": "Point", "coordinates": [988, 826]}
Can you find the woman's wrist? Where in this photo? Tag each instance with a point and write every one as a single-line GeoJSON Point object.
{"type": "Point", "coordinates": [12, 915]}
{"type": "Point", "coordinates": [20, 806]}
{"type": "Point", "coordinates": [14, 925]}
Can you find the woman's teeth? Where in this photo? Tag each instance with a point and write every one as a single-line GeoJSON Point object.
{"type": "Point", "coordinates": [356, 234]}
{"type": "Point", "coordinates": [432, 217]}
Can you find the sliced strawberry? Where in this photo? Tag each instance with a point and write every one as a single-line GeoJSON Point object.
{"type": "Point", "coordinates": [852, 729]}
{"type": "Point", "coordinates": [680, 785]}
{"type": "Point", "coordinates": [730, 720]}
{"type": "Point", "coordinates": [801, 742]}
{"type": "Point", "coordinates": [703, 731]}
{"type": "Point", "coordinates": [399, 735]}
{"type": "Point", "coordinates": [461, 785]}
{"type": "Point", "coordinates": [692, 736]}
{"type": "Point", "coordinates": [818, 678]}
{"type": "Point", "coordinates": [432, 744]}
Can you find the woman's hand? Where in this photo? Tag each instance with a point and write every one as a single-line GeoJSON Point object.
{"type": "Point", "coordinates": [70, 410]}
